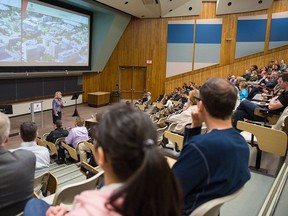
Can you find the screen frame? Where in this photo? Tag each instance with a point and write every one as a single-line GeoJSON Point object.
{"type": "Point", "coordinates": [60, 69]}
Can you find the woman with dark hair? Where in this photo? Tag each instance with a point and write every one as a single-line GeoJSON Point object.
{"type": "Point", "coordinates": [138, 180]}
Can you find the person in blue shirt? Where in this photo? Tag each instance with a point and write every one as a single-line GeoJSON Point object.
{"type": "Point", "coordinates": [215, 164]}
{"type": "Point", "coordinates": [243, 90]}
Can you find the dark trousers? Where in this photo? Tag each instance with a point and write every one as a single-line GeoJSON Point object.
{"type": "Point", "coordinates": [245, 110]}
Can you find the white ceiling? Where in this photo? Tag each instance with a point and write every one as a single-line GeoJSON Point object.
{"type": "Point", "coordinates": [174, 8]}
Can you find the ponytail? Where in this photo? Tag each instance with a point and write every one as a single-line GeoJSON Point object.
{"type": "Point", "coordinates": [128, 138]}
{"type": "Point", "coordinates": [152, 190]}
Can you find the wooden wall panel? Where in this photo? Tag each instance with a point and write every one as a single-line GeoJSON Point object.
{"type": "Point", "coordinates": [147, 38]}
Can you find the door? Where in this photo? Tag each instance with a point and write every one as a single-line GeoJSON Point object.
{"type": "Point", "coordinates": [132, 82]}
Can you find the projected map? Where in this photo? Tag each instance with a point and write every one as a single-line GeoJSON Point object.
{"type": "Point", "coordinates": [36, 35]}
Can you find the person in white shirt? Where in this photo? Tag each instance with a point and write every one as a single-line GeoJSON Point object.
{"type": "Point", "coordinates": [184, 118]}
{"type": "Point", "coordinates": [169, 103]}
{"type": "Point", "coordinates": [28, 133]}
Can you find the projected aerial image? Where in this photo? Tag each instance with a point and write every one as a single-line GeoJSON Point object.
{"type": "Point", "coordinates": [10, 31]}
{"type": "Point", "coordinates": [39, 34]}
{"type": "Point", "coordinates": [53, 36]}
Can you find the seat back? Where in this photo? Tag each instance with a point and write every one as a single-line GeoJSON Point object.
{"type": "Point", "coordinates": [141, 106]}
{"type": "Point", "coordinates": [162, 122]}
{"type": "Point", "coordinates": [40, 183]}
{"type": "Point", "coordinates": [212, 207]}
{"type": "Point", "coordinates": [66, 194]}
{"type": "Point", "coordinates": [174, 137]}
{"type": "Point", "coordinates": [52, 147]}
{"type": "Point", "coordinates": [71, 151]}
{"type": "Point", "coordinates": [172, 126]}
{"type": "Point", "coordinates": [89, 146]}
{"type": "Point", "coordinates": [40, 142]}
{"type": "Point", "coordinates": [272, 118]}
{"type": "Point", "coordinates": [160, 132]}
{"type": "Point", "coordinates": [281, 119]}
{"type": "Point", "coordinates": [46, 183]}
{"type": "Point", "coordinates": [268, 139]}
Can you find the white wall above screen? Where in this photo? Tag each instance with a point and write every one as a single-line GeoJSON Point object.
{"type": "Point", "coordinates": [138, 8]}
{"type": "Point", "coordinates": [238, 6]}
{"type": "Point", "coordinates": [156, 8]}
{"type": "Point", "coordinates": [186, 8]}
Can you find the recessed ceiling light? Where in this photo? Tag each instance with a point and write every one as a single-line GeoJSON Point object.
{"type": "Point", "coordinates": [170, 10]}
{"type": "Point", "coordinates": [260, 2]}
{"type": "Point", "coordinates": [229, 3]}
{"type": "Point", "coordinates": [190, 8]}
{"type": "Point", "coordinates": [126, 2]}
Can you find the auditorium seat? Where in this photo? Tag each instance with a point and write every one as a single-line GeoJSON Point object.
{"type": "Point", "coordinates": [65, 195]}
{"type": "Point", "coordinates": [212, 207]}
{"type": "Point", "coordinates": [267, 139]}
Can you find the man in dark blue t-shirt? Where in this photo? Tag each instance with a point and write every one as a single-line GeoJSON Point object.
{"type": "Point", "coordinates": [214, 164]}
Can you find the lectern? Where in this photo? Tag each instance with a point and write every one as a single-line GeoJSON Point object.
{"type": "Point", "coordinates": [75, 97]}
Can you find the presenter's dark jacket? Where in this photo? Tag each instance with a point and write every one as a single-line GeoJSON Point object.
{"type": "Point", "coordinates": [17, 180]}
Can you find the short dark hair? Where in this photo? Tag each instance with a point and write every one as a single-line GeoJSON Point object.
{"type": "Point", "coordinates": [58, 123]}
{"type": "Point", "coordinates": [219, 97]}
{"type": "Point", "coordinates": [28, 131]}
{"type": "Point", "coordinates": [284, 77]}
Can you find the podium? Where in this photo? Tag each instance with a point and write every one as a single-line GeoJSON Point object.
{"type": "Point", "coordinates": [36, 107]}
{"type": "Point", "coordinates": [96, 99]}
{"type": "Point", "coordinates": [75, 97]}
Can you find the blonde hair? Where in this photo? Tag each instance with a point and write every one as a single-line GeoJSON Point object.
{"type": "Point", "coordinates": [79, 121]}
{"type": "Point", "coordinates": [57, 93]}
{"type": "Point", "coordinates": [243, 85]}
{"type": "Point", "coordinates": [192, 93]}
{"type": "Point", "coordinates": [4, 127]}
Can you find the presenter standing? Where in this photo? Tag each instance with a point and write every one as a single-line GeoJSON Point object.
{"type": "Point", "coordinates": [57, 105]}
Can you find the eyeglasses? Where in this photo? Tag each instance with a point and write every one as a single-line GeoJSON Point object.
{"type": "Point", "coordinates": [197, 98]}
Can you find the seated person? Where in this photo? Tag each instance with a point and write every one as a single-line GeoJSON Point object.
{"type": "Point", "coordinates": [126, 150]}
{"type": "Point", "coordinates": [246, 108]}
{"type": "Point", "coordinates": [77, 134]}
{"type": "Point", "coordinates": [168, 103]}
{"type": "Point", "coordinates": [17, 174]}
{"type": "Point", "coordinates": [184, 117]}
{"type": "Point", "coordinates": [202, 172]}
{"type": "Point", "coordinates": [57, 133]}
{"type": "Point", "coordinates": [243, 90]}
{"type": "Point", "coordinates": [146, 97]}
{"type": "Point", "coordinates": [28, 133]}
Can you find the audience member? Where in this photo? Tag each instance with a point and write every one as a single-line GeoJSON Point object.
{"type": "Point", "coordinates": [254, 76]}
{"type": "Point", "coordinates": [283, 65]}
{"type": "Point", "coordinates": [146, 98]}
{"type": "Point", "coordinates": [28, 133]}
{"type": "Point", "coordinates": [17, 174]}
{"type": "Point", "coordinates": [57, 105]}
{"type": "Point", "coordinates": [168, 103]}
{"type": "Point", "coordinates": [278, 103]}
{"type": "Point", "coordinates": [272, 82]}
{"type": "Point", "coordinates": [204, 174]}
{"type": "Point", "coordinates": [243, 90]}
{"type": "Point", "coordinates": [126, 150]}
{"type": "Point", "coordinates": [184, 117]}
{"type": "Point", "coordinates": [57, 133]}
{"type": "Point", "coordinates": [76, 135]}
